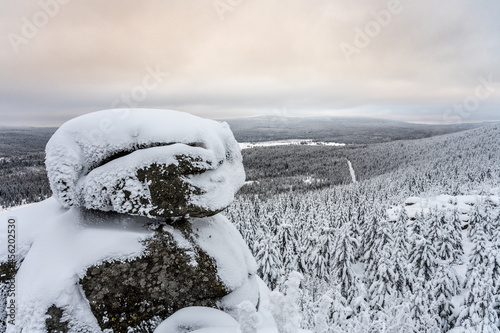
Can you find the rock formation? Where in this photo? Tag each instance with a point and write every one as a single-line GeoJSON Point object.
{"type": "Point", "coordinates": [133, 232]}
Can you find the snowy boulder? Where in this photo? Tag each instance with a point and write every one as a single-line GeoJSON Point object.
{"type": "Point", "coordinates": [132, 233]}
{"type": "Point", "coordinates": [154, 163]}
{"type": "Point", "coordinates": [84, 270]}
{"type": "Point", "coordinates": [179, 267]}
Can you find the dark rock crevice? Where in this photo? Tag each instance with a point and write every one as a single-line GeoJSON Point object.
{"type": "Point", "coordinates": [54, 323]}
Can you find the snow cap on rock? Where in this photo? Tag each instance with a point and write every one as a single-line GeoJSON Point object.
{"type": "Point", "coordinates": [155, 163]}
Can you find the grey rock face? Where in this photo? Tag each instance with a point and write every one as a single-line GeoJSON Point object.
{"type": "Point", "coordinates": [169, 191]}
{"type": "Point", "coordinates": [138, 293]}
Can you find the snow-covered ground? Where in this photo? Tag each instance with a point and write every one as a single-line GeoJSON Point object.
{"type": "Point", "coordinates": [9, 209]}
{"type": "Point", "coordinates": [296, 142]}
{"type": "Point", "coordinates": [463, 203]}
{"type": "Point", "coordinates": [351, 171]}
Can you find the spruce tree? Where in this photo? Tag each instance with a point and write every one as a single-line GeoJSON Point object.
{"type": "Point", "coordinates": [381, 289]}
{"type": "Point", "coordinates": [481, 247]}
{"type": "Point", "coordinates": [381, 238]}
{"type": "Point", "coordinates": [287, 247]}
{"type": "Point", "coordinates": [343, 260]}
{"type": "Point", "coordinates": [421, 308]}
{"type": "Point", "coordinates": [477, 313]}
{"type": "Point", "coordinates": [454, 229]}
{"type": "Point", "coordinates": [322, 255]}
{"type": "Point", "coordinates": [443, 286]}
{"type": "Point", "coordinates": [423, 255]}
{"type": "Point", "coordinates": [399, 255]}
{"type": "Point", "coordinates": [270, 267]}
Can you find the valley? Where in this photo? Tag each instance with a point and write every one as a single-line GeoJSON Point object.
{"type": "Point", "coordinates": [357, 220]}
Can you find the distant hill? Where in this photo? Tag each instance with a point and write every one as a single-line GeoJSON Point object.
{"type": "Point", "coordinates": [454, 163]}
{"type": "Point", "coordinates": [336, 129]}
{"type": "Point", "coordinates": [18, 141]}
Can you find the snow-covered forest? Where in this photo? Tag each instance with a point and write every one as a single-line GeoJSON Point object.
{"type": "Point", "coordinates": [412, 247]}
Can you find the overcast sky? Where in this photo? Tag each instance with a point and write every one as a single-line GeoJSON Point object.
{"type": "Point", "coordinates": [419, 61]}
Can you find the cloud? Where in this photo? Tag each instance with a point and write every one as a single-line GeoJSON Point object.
{"type": "Point", "coordinates": [263, 54]}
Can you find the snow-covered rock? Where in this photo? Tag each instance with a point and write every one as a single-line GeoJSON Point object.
{"type": "Point", "coordinates": [155, 163]}
{"type": "Point", "coordinates": [132, 233]}
{"type": "Point", "coordinates": [110, 270]}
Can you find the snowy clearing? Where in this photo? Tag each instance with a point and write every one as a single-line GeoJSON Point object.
{"type": "Point", "coordinates": [351, 171]}
{"type": "Point", "coordinates": [296, 142]}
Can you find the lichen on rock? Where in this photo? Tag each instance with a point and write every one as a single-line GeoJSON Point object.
{"type": "Point", "coordinates": [170, 190]}
{"type": "Point", "coordinates": [166, 278]}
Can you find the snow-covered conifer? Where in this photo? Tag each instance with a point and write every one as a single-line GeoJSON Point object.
{"type": "Point", "coordinates": [475, 219]}
{"type": "Point", "coordinates": [343, 260]}
{"type": "Point", "coordinates": [399, 255]}
{"type": "Point", "coordinates": [477, 313]}
{"type": "Point", "coordinates": [287, 247]}
{"type": "Point", "coordinates": [270, 266]}
{"type": "Point", "coordinates": [322, 315]}
{"type": "Point", "coordinates": [381, 238]}
{"type": "Point", "coordinates": [381, 290]}
{"type": "Point", "coordinates": [421, 311]}
{"type": "Point", "coordinates": [443, 286]}
{"type": "Point", "coordinates": [423, 255]}
{"type": "Point", "coordinates": [478, 257]}
{"type": "Point", "coordinates": [277, 308]}
{"type": "Point", "coordinates": [454, 229]}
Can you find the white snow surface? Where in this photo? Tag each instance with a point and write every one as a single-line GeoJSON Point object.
{"type": "Point", "coordinates": [196, 319]}
{"type": "Point", "coordinates": [76, 153]}
{"type": "Point", "coordinates": [351, 171]}
{"type": "Point", "coordinates": [212, 235]}
{"type": "Point", "coordinates": [58, 245]}
{"type": "Point", "coordinates": [294, 142]}
{"type": "Point", "coordinates": [463, 203]}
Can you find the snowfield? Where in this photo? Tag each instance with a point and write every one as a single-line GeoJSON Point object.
{"type": "Point", "coordinates": [247, 145]}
